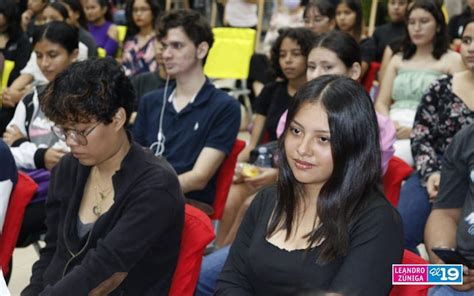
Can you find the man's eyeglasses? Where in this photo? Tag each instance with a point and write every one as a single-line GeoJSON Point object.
{"type": "Point", "coordinates": [79, 137]}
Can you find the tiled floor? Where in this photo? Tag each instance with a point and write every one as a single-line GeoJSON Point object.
{"type": "Point", "coordinates": [23, 259]}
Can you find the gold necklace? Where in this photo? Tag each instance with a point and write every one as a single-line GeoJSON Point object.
{"type": "Point", "coordinates": [100, 194]}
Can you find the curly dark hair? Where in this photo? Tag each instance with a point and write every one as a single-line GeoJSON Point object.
{"type": "Point", "coordinates": [87, 90]}
{"type": "Point", "coordinates": [303, 36]}
{"type": "Point", "coordinates": [132, 28]}
{"type": "Point", "coordinates": [440, 42]}
{"type": "Point", "coordinates": [195, 26]}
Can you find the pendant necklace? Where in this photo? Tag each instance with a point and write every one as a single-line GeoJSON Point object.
{"type": "Point", "coordinates": [100, 194]}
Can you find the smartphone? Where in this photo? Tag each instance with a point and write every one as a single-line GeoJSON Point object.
{"type": "Point", "coordinates": [452, 256]}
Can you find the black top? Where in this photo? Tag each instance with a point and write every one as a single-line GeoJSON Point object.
{"type": "Point", "coordinates": [456, 189]}
{"type": "Point", "coordinates": [367, 50]}
{"type": "Point", "coordinates": [257, 267]}
{"type": "Point", "coordinates": [17, 49]}
{"type": "Point", "coordinates": [272, 103]}
{"type": "Point", "coordinates": [456, 24]}
{"type": "Point", "coordinates": [144, 83]}
{"type": "Point", "coordinates": [386, 35]}
{"type": "Point", "coordinates": [8, 171]}
{"type": "Point", "coordinates": [140, 234]}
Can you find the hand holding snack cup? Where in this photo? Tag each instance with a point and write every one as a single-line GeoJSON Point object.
{"type": "Point", "coordinates": [250, 170]}
{"type": "Point", "coordinates": [244, 170]}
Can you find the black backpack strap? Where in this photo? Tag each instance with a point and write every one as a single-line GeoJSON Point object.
{"type": "Point", "coordinates": [30, 109]}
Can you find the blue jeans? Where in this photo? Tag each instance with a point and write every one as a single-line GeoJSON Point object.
{"type": "Point", "coordinates": [211, 268]}
{"type": "Point", "coordinates": [447, 291]}
{"type": "Point", "coordinates": [414, 207]}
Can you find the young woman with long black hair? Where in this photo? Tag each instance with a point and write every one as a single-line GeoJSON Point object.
{"type": "Point", "coordinates": [327, 216]}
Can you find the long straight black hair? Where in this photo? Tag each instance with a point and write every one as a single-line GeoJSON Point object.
{"type": "Point", "coordinates": [440, 42]}
{"type": "Point", "coordinates": [356, 6]}
{"type": "Point", "coordinates": [356, 171]}
{"type": "Point", "coordinates": [132, 27]}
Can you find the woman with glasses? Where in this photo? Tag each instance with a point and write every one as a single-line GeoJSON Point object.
{"type": "Point", "coordinates": [320, 16]}
{"type": "Point", "coordinates": [114, 212]}
{"type": "Point", "coordinates": [139, 49]}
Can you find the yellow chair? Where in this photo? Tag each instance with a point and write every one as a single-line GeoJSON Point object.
{"type": "Point", "coordinates": [121, 32]}
{"type": "Point", "coordinates": [101, 53]}
{"type": "Point", "coordinates": [229, 58]}
{"type": "Point", "coordinates": [445, 12]}
{"type": "Point", "coordinates": [7, 70]}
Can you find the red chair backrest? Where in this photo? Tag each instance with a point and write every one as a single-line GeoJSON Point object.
{"type": "Point", "coordinates": [370, 76]}
{"type": "Point", "coordinates": [397, 171]}
{"type": "Point", "coordinates": [197, 234]}
{"type": "Point", "coordinates": [411, 290]}
{"type": "Point", "coordinates": [24, 190]}
{"type": "Point", "coordinates": [224, 179]}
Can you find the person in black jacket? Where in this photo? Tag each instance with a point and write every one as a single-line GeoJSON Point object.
{"type": "Point", "coordinates": [14, 46]}
{"type": "Point", "coordinates": [114, 211]}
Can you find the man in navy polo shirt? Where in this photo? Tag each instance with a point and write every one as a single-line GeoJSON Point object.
{"type": "Point", "coordinates": [190, 122]}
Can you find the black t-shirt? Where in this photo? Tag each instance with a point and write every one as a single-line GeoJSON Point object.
{"type": "Point", "coordinates": [386, 35]}
{"type": "Point", "coordinates": [272, 102]}
{"type": "Point", "coordinates": [367, 50]}
{"type": "Point", "coordinates": [18, 50]}
{"type": "Point", "coordinates": [457, 187]}
{"type": "Point", "coordinates": [8, 171]}
{"type": "Point", "coordinates": [144, 83]}
{"type": "Point", "coordinates": [257, 267]}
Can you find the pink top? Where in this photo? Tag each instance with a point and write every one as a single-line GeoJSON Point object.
{"type": "Point", "coordinates": [387, 136]}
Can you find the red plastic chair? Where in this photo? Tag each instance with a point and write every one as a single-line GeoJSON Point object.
{"type": "Point", "coordinates": [370, 76]}
{"type": "Point", "coordinates": [397, 172]}
{"type": "Point", "coordinates": [411, 290]}
{"type": "Point", "coordinates": [224, 179]}
{"type": "Point", "coordinates": [197, 234]}
{"type": "Point", "coordinates": [24, 190]}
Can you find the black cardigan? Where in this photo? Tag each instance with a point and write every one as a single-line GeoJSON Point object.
{"type": "Point", "coordinates": [140, 234]}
